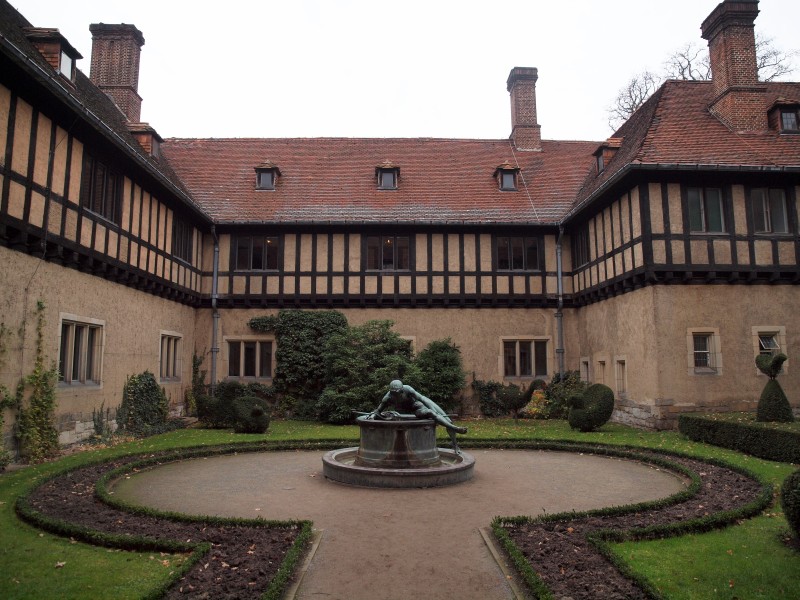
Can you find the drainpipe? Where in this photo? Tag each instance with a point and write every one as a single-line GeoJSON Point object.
{"type": "Point", "coordinates": [214, 314]}
{"type": "Point", "coordinates": [559, 313]}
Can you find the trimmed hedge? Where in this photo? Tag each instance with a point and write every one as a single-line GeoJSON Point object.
{"type": "Point", "coordinates": [252, 415]}
{"type": "Point", "coordinates": [592, 408]}
{"type": "Point", "coordinates": [756, 440]}
{"type": "Point", "coordinates": [790, 501]}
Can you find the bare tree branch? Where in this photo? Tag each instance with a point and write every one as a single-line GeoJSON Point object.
{"type": "Point", "coordinates": [691, 62]}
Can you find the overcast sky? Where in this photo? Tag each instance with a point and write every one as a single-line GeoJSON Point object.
{"type": "Point", "coordinates": [408, 68]}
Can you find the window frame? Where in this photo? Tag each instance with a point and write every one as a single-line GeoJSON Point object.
{"type": "Point", "coordinates": [764, 216]}
{"type": "Point", "coordinates": [713, 351]}
{"type": "Point", "coordinates": [510, 250]}
{"type": "Point", "coordinates": [621, 376]}
{"type": "Point", "coordinates": [170, 356]}
{"type": "Point", "coordinates": [377, 262]}
{"type": "Point", "coordinates": [88, 371]}
{"type": "Point", "coordinates": [503, 178]}
{"type": "Point", "coordinates": [265, 242]}
{"type": "Point", "coordinates": [241, 343]}
{"type": "Point", "coordinates": [182, 239]}
{"type": "Point", "coordinates": [273, 177]}
{"type": "Point", "coordinates": [581, 247]}
{"type": "Point", "coordinates": [704, 212]}
{"type": "Point", "coordinates": [795, 114]}
{"type": "Point", "coordinates": [107, 201]}
{"type": "Point", "coordinates": [394, 172]}
{"type": "Point", "coordinates": [778, 333]}
{"type": "Point", "coordinates": [538, 357]}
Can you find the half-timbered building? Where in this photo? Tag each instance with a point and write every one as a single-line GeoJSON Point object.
{"type": "Point", "coordinates": [660, 261]}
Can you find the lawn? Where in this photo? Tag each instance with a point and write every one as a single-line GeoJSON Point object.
{"type": "Point", "coordinates": [745, 561]}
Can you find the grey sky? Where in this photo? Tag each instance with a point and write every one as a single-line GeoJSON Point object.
{"type": "Point", "coordinates": [411, 68]}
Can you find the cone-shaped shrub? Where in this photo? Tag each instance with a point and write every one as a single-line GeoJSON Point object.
{"type": "Point", "coordinates": [790, 501]}
{"type": "Point", "coordinates": [773, 404]}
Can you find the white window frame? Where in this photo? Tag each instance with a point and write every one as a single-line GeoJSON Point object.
{"type": "Point", "coordinates": [778, 332]}
{"type": "Point", "coordinates": [170, 356]}
{"type": "Point", "coordinates": [242, 339]}
{"type": "Point", "coordinates": [714, 351]}
{"type": "Point", "coordinates": [527, 339]}
{"type": "Point", "coordinates": [89, 375]}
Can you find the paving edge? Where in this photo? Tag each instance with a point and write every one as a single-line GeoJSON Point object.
{"type": "Point", "coordinates": [316, 537]}
{"type": "Point", "coordinates": [498, 556]}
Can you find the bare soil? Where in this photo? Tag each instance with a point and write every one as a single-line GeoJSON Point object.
{"type": "Point", "coordinates": [243, 560]}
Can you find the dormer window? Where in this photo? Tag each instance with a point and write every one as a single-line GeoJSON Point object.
{"type": "Point", "coordinates": [267, 174]}
{"type": "Point", "coordinates": [601, 164]}
{"type": "Point", "coordinates": [789, 120]}
{"type": "Point", "coordinates": [67, 67]}
{"type": "Point", "coordinates": [506, 175]}
{"type": "Point", "coordinates": [55, 49]}
{"type": "Point", "coordinates": [387, 175]}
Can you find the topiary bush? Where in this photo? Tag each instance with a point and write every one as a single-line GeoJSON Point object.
{"type": "Point", "coordinates": [558, 392]}
{"type": "Point", "coordinates": [790, 501]}
{"type": "Point", "coordinates": [219, 412]}
{"type": "Point", "coordinates": [591, 408]}
{"type": "Point", "coordinates": [144, 408]}
{"type": "Point", "coordinates": [773, 405]}
{"type": "Point", "coordinates": [440, 372]}
{"type": "Point", "coordinates": [251, 415]}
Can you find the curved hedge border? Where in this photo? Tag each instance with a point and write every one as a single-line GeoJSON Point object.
{"type": "Point", "coordinates": [755, 439]}
{"type": "Point", "coordinates": [602, 539]}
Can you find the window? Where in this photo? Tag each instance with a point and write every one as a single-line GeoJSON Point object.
{"type": "Point", "coordinates": [506, 175]}
{"type": "Point", "coordinates": [599, 162]}
{"type": "Point", "coordinates": [101, 189]}
{"type": "Point", "coordinates": [524, 358]}
{"type": "Point", "coordinates": [517, 253]}
{"type": "Point", "coordinates": [388, 253]}
{"type": "Point", "coordinates": [789, 120]}
{"type": "Point", "coordinates": [387, 179]}
{"type": "Point", "coordinates": [182, 240]}
{"type": "Point", "coordinates": [769, 210]}
{"type": "Point", "coordinates": [600, 374]}
{"type": "Point", "coordinates": [703, 351]}
{"type": "Point", "coordinates": [170, 356]}
{"type": "Point", "coordinates": [67, 68]}
{"type": "Point", "coordinates": [250, 358]}
{"type": "Point", "coordinates": [706, 210]}
{"type": "Point", "coordinates": [267, 174]}
{"type": "Point", "coordinates": [255, 252]}
{"type": "Point", "coordinates": [621, 373]}
{"type": "Point", "coordinates": [580, 246]}
{"type": "Point", "coordinates": [769, 340]}
{"type": "Point", "coordinates": [81, 349]}
{"type": "Point", "coordinates": [585, 370]}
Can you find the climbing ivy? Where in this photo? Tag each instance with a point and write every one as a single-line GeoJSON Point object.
{"type": "Point", "coordinates": [36, 432]}
{"type": "Point", "coordinates": [6, 399]}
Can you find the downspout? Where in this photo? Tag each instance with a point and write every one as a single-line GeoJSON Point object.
{"type": "Point", "coordinates": [559, 312]}
{"type": "Point", "coordinates": [214, 314]}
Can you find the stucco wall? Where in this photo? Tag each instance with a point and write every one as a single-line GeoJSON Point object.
{"type": "Point", "coordinates": [132, 322]}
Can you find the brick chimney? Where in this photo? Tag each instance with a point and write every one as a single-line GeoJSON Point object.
{"type": "Point", "coordinates": [525, 131]}
{"type": "Point", "coordinates": [115, 65]}
{"type": "Point", "coordinates": [739, 99]}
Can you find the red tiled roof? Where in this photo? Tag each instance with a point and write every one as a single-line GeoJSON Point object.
{"type": "Point", "coordinates": [333, 179]}
{"type": "Point", "coordinates": [675, 127]}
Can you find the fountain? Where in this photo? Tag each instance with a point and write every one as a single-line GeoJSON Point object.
{"type": "Point", "coordinates": [398, 450]}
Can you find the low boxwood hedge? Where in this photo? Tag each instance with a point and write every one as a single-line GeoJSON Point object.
{"type": "Point", "coordinates": [756, 439]}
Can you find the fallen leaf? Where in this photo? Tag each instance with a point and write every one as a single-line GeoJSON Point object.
{"type": "Point", "coordinates": [60, 564]}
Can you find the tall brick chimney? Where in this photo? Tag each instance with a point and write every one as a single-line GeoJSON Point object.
{"type": "Point", "coordinates": [739, 98]}
{"type": "Point", "coordinates": [115, 65]}
{"type": "Point", "coordinates": [525, 131]}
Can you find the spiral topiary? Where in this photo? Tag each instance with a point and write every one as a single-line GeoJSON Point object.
{"type": "Point", "coordinates": [790, 501]}
{"type": "Point", "coordinates": [592, 408]}
{"type": "Point", "coordinates": [251, 415]}
{"type": "Point", "coordinates": [773, 405]}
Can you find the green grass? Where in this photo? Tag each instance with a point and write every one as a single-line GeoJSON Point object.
{"type": "Point", "coordinates": [28, 557]}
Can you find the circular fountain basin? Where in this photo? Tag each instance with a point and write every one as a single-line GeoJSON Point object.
{"type": "Point", "coordinates": [397, 453]}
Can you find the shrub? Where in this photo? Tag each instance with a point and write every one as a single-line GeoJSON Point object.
{"type": "Point", "coordinates": [144, 407]}
{"type": "Point", "coordinates": [790, 501]}
{"type": "Point", "coordinates": [440, 372]}
{"type": "Point", "coordinates": [558, 392]}
{"type": "Point", "coordinates": [773, 405]}
{"type": "Point", "coordinates": [755, 439]}
{"type": "Point", "coordinates": [592, 408]}
{"type": "Point", "coordinates": [536, 408]}
{"type": "Point", "coordinates": [361, 361]}
{"type": "Point", "coordinates": [252, 415]}
{"type": "Point", "coordinates": [494, 397]}
{"type": "Point", "coordinates": [219, 412]}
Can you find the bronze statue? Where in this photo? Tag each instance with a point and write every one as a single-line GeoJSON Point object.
{"type": "Point", "coordinates": [406, 400]}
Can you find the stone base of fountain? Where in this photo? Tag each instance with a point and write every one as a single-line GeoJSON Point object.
{"type": "Point", "coordinates": [397, 453]}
